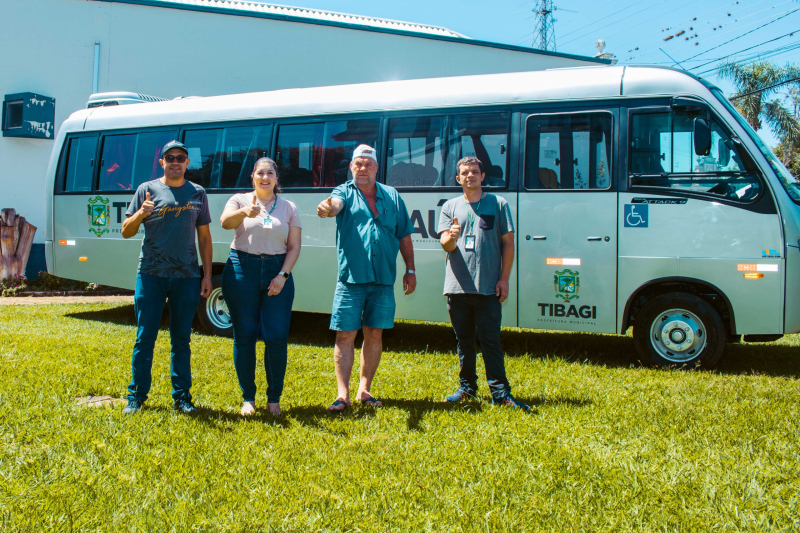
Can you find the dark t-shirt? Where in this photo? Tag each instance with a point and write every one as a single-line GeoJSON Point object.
{"type": "Point", "coordinates": [476, 271]}
{"type": "Point", "coordinates": [168, 247]}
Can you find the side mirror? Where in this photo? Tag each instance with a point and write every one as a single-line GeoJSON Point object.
{"type": "Point", "coordinates": [724, 153]}
{"type": "Point", "coordinates": [702, 137]}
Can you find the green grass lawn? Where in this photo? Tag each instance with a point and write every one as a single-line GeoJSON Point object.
{"type": "Point", "coordinates": [609, 445]}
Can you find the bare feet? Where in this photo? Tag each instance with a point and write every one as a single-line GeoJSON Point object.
{"type": "Point", "coordinates": [274, 408]}
{"type": "Point", "coordinates": [339, 405]}
{"type": "Point", "coordinates": [248, 408]}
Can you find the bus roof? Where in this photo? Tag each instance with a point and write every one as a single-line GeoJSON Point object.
{"type": "Point", "coordinates": [581, 83]}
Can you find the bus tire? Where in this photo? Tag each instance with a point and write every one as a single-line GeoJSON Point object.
{"type": "Point", "coordinates": [679, 330]}
{"type": "Point", "coordinates": [212, 312]}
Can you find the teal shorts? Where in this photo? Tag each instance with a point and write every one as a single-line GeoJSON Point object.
{"type": "Point", "coordinates": [362, 304]}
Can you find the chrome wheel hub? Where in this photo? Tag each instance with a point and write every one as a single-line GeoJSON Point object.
{"type": "Point", "coordinates": [678, 335]}
{"type": "Point", "coordinates": [217, 309]}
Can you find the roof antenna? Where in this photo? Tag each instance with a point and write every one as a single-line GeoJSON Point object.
{"type": "Point", "coordinates": [669, 56]}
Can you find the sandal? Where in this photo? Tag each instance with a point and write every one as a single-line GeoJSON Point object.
{"type": "Point", "coordinates": [371, 402]}
{"type": "Point", "coordinates": [338, 405]}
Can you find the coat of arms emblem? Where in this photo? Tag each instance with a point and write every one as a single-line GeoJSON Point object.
{"type": "Point", "coordinates": [567, 284]}
{"type": "Point", "coordinates": [99, 215]}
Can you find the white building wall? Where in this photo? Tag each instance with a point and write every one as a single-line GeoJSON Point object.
{"type": "Point", "coordinates": [48, 48]}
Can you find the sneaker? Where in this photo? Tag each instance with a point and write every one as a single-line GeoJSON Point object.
{"type": "Point", "coordinates": [133, 406]}
{"type": "Point", "coordinates": [184, 406]}
{"type": "Point", "coordinates": [460, 395]}
{"type": "Point", "coordinates": [510, 401]}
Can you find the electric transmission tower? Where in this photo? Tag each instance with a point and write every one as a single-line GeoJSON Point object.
{"type": "Point", "coordinates": [544, 37]}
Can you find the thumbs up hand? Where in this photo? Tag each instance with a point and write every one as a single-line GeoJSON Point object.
{"type": "Point", "coordinates": [324, 208]}
{"type": "Point", "coordinates": [252, 210]}
{"type": "Point", "coordinates": [455, 230]}
{"type": "Point", "coordinates": [147, 205]}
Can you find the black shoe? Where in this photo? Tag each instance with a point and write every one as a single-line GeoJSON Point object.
{"type": "Point", "coordinates": [134, 406]}
{"type": "Point", "coordinates": [510, 401]}
{"type": "Point", "coordinates": [184, 406]}
{"type": "Point", "coordinates": [460, 395]}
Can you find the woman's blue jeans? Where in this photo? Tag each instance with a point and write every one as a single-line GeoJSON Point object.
{"type": "Point", "coordinates": [245, 283]}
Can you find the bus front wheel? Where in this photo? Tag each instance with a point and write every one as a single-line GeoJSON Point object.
{"type": "Point", "coordinates": [679, 330]}
{"type": "Point", "coordinates": [213, 314]}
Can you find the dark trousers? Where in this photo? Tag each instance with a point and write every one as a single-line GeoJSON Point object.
{"type": "Point", "coordinates": [152, 292]}
{"type": "Point", "coordinates": [245, 284]}
{"type": "Point", "coordinates": [479, 314]}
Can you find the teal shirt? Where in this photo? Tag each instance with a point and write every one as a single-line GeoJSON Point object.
{"type": "Point", "coordinates": [367, 246]}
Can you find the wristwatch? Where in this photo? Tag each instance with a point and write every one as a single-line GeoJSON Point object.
{"type": "Point", "coordinates": [284, 274]}
{"type": "Point", "coordinates": [410, 272]}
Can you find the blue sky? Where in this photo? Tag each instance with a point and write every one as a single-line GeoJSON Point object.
{"type": "Point", "coordinates": [702, 31]}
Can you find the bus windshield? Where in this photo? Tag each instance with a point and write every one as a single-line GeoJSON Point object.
{"type": "Point", "coordinates": [789, 182]}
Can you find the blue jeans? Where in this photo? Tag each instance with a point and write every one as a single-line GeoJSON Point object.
{"type": "Point", "coordinates": [245, 284]}
{"type": "Point", "coordinates": [481, 314]}
{"type": "Point", "coordinates": [182, 295]}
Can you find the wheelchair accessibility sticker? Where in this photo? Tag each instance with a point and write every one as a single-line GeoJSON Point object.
{"type": "Point", "coordinates": [636, 215]}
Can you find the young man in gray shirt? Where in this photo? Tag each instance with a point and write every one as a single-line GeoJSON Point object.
{"type": "Point", "coordinates": [172, 211]}
{"type": "Point", "coordinates": [477, 233]}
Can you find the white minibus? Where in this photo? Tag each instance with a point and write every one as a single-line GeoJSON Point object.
{"type": "Point", "coordinates": [640, 196]}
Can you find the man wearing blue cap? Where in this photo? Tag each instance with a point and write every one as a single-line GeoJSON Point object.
{"type": "Point", "coordinates": [172, 210]}
{"type": "Point", "coordinates": [372, 225]}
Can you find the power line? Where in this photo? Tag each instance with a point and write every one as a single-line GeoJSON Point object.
{"type": "Point", "coordinates": [745, 49]}
{"type": "Point", "coordinates": [618, 21]}
{"type": "Point", "coordinates": [746, 33]}
{"type": "Point", "coordinates": [708, 12]}
{"type": "Point", "coordinates": [760, 56]}
{"type": "Point", "coordinates": [599, 20]}
{"type": "Point", "coordinates": [697, 25]}
{"type": "Point", "coordinates": [734, 97]}
{"type": "Point", "coordinates": [781, 15]}
{"type": "Point", "coordinates": [721, 34]}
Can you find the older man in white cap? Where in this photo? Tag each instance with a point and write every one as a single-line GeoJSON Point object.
{"type": "Point", "coordinates": [372, 225]}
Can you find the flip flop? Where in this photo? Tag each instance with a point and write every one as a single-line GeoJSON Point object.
{"type": "Point", "coordinates": [372, 402]}
{"type": "Point", "coordinates": [338, 405]}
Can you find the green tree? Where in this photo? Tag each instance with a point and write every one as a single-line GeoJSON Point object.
{"type": "Point", "coordinates": [757, 108]}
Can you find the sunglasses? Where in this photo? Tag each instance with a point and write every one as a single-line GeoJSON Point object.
{"type": "Point", "coordinates": [174, 158]}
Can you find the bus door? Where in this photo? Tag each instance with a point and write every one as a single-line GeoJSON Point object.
{"type": "Point", "coordinates": [567, 236]}
{"type": "Point", "coordinates": [696, 209]}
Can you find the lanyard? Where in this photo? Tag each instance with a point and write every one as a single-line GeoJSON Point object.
{"type": "Point", "coordinates": [472, 213]}
{"type": "Point", "coordinates": [275, 203]}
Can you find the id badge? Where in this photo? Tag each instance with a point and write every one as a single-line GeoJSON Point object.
{"type": "Point", "coordinates": [469, 242]}
{"type": "Point", "coordinates": [268, 223]}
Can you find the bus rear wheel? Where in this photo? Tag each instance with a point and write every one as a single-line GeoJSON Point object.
{"type": "Point", "coordinates": [679, 330]}
{"type": "Point", "coordinates": [213, 314]}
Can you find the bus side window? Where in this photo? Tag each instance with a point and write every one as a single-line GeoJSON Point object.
{"type": "Point", "coordinates": [243, 146]}
{"type": "Point", "coordinates": [79, 164]}
{"type": "Point", "coordinates": [205, 156]}
{"type": "Point", "coordinates": [223, 158]}
{"type": "Point", "coordinates": [416, 152]}
{"type": "Point", "coordinates": [662, 154]}
{"type": "Point", "coordinates": [340, 140]}
{"type": "Point", "coordinates": [482, 135]}
{"type": "Point", "coordinates": [128, 160]}
{"type": "Point", "coordinates": [319, 154]}
{"type": "Point", "coordinates": [568, 151]}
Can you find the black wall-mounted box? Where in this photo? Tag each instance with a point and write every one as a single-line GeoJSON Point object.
{"type": "Point", "coordinates": [29, 115]}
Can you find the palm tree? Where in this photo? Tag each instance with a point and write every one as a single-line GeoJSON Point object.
{"type": "Point", "coordinates": [756, 108]}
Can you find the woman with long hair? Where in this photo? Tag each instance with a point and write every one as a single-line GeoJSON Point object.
{"type": "Point", "coordinates": [257, 283]}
